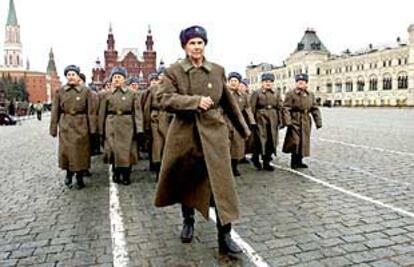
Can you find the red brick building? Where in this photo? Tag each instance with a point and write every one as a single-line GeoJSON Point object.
{"type": "Point", "coordinates": [137, 65]}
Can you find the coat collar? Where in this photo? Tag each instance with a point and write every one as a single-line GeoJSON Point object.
{"type": "Point", "coordinates": [187, 65]}
{"type": "Point", "coordinates": [68, 87]}
{"type": "Point", "coordinates": [122, 89]}
{"type": "Point", "coordinates": [237, 92]}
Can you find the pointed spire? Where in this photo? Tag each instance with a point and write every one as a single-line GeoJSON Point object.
{"type": "Point", "coordinates": [149, 42]}
{"type": "Point", "coordinates": [51, 66]}
{"type": "Point", "coordinates": [110, 41]}
{"type": "Point", "coordinates": [12, 18]}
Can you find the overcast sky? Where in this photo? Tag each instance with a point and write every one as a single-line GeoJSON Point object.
{"type": "Point", "coordinates": [260, 31]}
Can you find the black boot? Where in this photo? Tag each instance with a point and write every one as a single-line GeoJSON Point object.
{"type": "Point", "coordinates": [294, 164]}
{"type": "Point", "coordinates": [68, 178]}
{"type": "Point", "coordinates": [188, 224]}
{"type": "Point", "coordinates": [79, 180]}
{"type": "Point", "coordinates": [300, 163]}
{"type": "Point", "coordinates": [126, 174]}
{"type": "Point", "coordinates": [87, 173]}
{"type": "Point", "coordinates": [256, 162]}
{"type": "Point", "coordinates": [267, 166]}
{"type": "Point", "coordinates": [225, 242]}
{"type": "Point", "coordinates": [244, 160]}
{"type": "Point", "coordinates": [234, 163]}
{"type": "Point", "coordinates": [116, 174]}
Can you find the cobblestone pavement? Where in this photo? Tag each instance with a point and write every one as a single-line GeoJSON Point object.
{"type": "Point", "coordinates": [354, 206]}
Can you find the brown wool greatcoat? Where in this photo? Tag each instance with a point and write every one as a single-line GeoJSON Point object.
{"type": "Point", "coordinates": [237, 142]}
{"type": "Point", "coordinates": [74, 115]}
{"type": "Point", "coordinates": [120, 119]}
{"type": "Point", "coordinates": [299, 105]}
{"type": "Point", "coordinates": [159, 121]}
{"type": "Point", "coordinates": [267, 107]}
{"type": "Point", "coordinates": [196, 162]}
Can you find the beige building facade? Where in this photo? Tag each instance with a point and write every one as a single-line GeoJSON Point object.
{"type": "Point", "coordinates": [374, 76]}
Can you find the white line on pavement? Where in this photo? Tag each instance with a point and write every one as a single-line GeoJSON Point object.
{"type": "Point", "coordinates": [342, 190]}
{"type": "Point", "coordinates": [367, 147]}
{"type": "Point", "coordinates": [247, 249]}
{"type": "Point", "coordinates": [119, 244]}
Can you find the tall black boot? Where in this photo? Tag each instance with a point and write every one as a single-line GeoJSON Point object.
{"type": "Point", "coordinates": [126, 174]}
{"type": "Point", "coordinates": [68, 178]}
{"type": "Point", "coordinates": [294, 161]}
{"type": "Point", "coordinates": [234, 163]}
{"type": "Point", "coordinates": [300, 163]}
{"type": "Point", "coordinates": [225, 242]}
{"type": "Point", "coordinates": [79, 180]}
{"type": "Point", "coordinates": [188, 224]}
{"type": "Point", "coordinates": [266, 163]}
{"type": "Point", "coordinates": [116, 174]}
{"type": "Point", "coordinates": [256, 162]}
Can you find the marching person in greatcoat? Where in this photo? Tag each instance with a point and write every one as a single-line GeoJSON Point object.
{"type": "Point", "coordinates": [301, 105]}
{"type": "Point", "coordinates": [120, 121]}
{"type": "Point", "coordinates": [237, 142]}
{"type": "Point", "coordinates": [270, 115]}
{"type": "Point", "coordinates": [73, 117]}
{"type": "Point", "coordinates": [159, 121]}
{"type": "Point", "coordinates": [196, 164]}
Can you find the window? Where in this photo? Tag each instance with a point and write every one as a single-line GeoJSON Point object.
{"type": "Point", "coordinates": [373, 83]}
{"type": "Point", "coordinates": [402, 80]}
{"type": "Point", "coordinates": [329, 87]}
{"type": "Point", "coordinates": [360, 84]}
{"type": "Point", "coordinates": [348, 85]}
{"type": "Point", "coordinates": [387, 82]}
{"type": "Point", "coordinates": [318, 71]}
{"type": "Point", "coordinates": [338, 86]}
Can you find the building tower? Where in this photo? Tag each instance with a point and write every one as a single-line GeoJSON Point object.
{"type": "Point", "coordinates": [13, 57]}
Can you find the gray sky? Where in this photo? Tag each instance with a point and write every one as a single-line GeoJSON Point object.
{"type": "Point", "coordinates": [261, 31]}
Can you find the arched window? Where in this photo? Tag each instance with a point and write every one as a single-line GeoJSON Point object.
{"type": "Point", "coordinates": [373, 83]}
{"type": "Point", "coordinates": [349, 85]}
{"type": "Point", "coordinates": [360, 84]}
{"type": "Point", "coordinates": [402, 80]}
{"type": "Point", "coordinates": [387, 82]}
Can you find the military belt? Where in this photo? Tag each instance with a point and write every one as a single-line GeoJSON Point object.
{"type": "Point", "coordinates": [119, 112]}
{"type": "Point", "coordinates": [73, 112]}
{"type": "Point", "coordinates": [267, 107]}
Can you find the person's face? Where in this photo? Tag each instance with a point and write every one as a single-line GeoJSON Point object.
{"type": "Point", "coordinates": [72, 77]}
{"type": "Point", "coordinates": [134, 86]}
{"type": "Point", "coordinates": [118, 80]}
{"type": "Point", "coordinates": [81, 81]}
{"type": "Point", "coordinates": [154, 82]}
{"type": "Point", "coordinates": [107, 86]}
{"type": "Point", "coordinates": [195, 48]}
{"type": "Point", "coordinates": [267, 84]}
{"type": "Point", "coordinates": [303, 85]}
{"type": "Point", "coordinates": [243, 88]}
{"type": "Point", "coordinates": [234, 83]}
